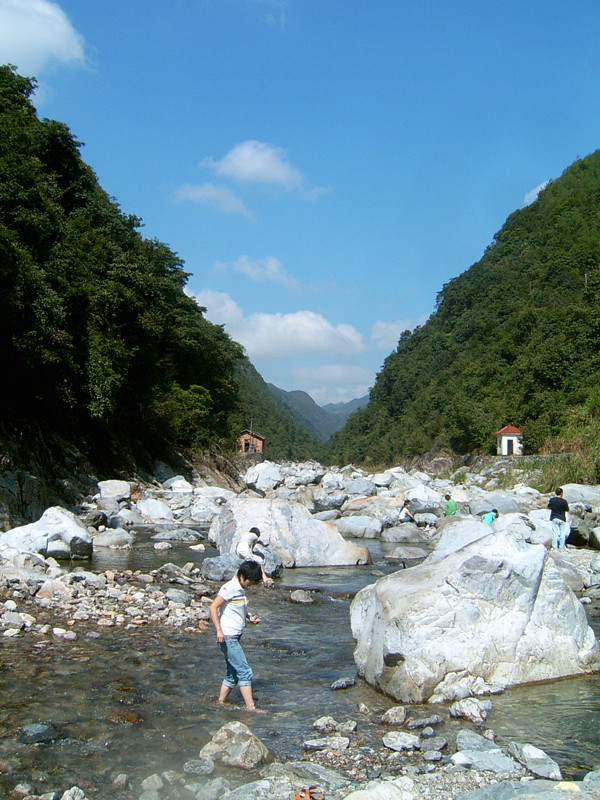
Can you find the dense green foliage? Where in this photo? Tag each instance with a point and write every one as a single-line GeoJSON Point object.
{"type": "Point", "coordinates": [96, 332]}
{"type": "Point", "coordinates": [514, 339]}
{"type": "Point", "coordinates": [264, 413]}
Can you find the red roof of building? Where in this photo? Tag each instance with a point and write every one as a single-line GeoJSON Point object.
{"type": "Point", "coordinates": [507, 429]}
{"type": "Point", "coordinates": [252, 433]}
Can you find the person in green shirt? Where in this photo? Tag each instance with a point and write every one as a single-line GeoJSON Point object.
{"type": "Point", "coordinates": [451, 506]}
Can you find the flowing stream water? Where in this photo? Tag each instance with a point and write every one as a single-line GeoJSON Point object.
{"type": "Point", "coordinates": [143, 701]}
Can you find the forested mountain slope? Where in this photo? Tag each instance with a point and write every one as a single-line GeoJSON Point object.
{"type": "Point", "coordinates": [101, 347]}
{"type": "Point", "coordinates": [514, 339]}
{"type": "Point", "coordinates": [318, 422]}
{"type": "Point", "coordinates": [98, 339]}
{"type": "Point", "coordinates": [270, 416]}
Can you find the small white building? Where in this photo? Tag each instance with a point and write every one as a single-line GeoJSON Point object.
{"type": "Point", "coordinates": [508, 441]}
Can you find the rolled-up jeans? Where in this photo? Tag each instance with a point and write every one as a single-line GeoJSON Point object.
{"type": "Point", "coordinates": [238, 671]}
{"type": "Point", "coordinates": [560, 531]}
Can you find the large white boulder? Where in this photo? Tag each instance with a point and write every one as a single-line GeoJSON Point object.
{"type": "Point", "coordinates": [504, 502]}
{"type": "Point", "coordinates": [424, 498]}
{"type": "Point", "coordinates": [494, 614]}
{"type": "Point", "coordinates": [360, 486]}
{"type": "Point", "coordinates": [540, 519]}
{"type": "Point", "coordinates": [332, 480]}
{"type": "Point", "coordinates": [358, 526]}
{"type": "Point", "coordinates": [382, 479]}
{"type": "Point", "coordinates": [456, 533]}
{"type": "Point", "coordinates": [581, 493]}
{"type": "Point", "coordinates": [115, 489]}
{"type": "Point", "coordinates": [287, 529]}
{"type": "Point", "coordinates": [316, 498]}
{"type": "Point", "coordinates": [405, 532]}
{"type": "Point", "coordinates": [154, 510]}
{"type": "Point", "coordinates": [57, 533]}
{"type": "Point", "coordinates": [385, 509]}
{"type": "Point", "coordinates": [178, 484]}
{"type": "Point", "coordinates": [303, 474]}
{"type": "Point", "coordinates": [205, 509]}
{"type": "Point", "coordinates": [263, 476]}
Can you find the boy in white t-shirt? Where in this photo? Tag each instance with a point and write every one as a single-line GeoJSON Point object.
{"type": "Point", "coordinates": [228, 613]}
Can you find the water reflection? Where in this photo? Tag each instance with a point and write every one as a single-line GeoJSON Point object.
{"type": "Point", "coordinates": [142, 701]}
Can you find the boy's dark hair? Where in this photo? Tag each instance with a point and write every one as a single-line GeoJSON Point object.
{"type": "Point", "coordinates": [250, 570]}
{"type": "Point", "coordinates": [256, 531]}
{"type": "Point", "coordinates": [559, 491]}
{"type": "Point", "coordinates": [447, 497]}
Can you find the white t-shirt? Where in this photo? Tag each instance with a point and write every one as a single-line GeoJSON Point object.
{"type": "Point", "coordinates": [244, 548]}
{"type": "Point", "coordinates": [232, 614]}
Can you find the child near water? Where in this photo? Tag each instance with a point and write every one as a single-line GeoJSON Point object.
{"type": "Point", "coordinates": [228, 613]}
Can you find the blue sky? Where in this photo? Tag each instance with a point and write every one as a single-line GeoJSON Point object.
{"type": "Point", "coordinates": [323, 167]}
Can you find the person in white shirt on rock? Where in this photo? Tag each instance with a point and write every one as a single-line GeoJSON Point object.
{"type": "Point", "coordinates": [245, 551]}
{"type": "Point", "coordinates": [405, 513]}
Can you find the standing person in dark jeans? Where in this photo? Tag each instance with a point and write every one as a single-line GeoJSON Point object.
{"type": "Point", "coordinates": [558, 516]}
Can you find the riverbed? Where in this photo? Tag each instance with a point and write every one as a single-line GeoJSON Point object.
{"type": "Point", "coordinates": [141, 701]}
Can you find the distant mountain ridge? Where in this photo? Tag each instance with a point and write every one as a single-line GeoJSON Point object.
{"type": "Point", "coordinates": [319, 421]}
{"type": "Point", "coordinates": [272, 417]}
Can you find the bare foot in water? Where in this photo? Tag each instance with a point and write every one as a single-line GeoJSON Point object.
{"type": "Point", "coordinates": [255, 710]}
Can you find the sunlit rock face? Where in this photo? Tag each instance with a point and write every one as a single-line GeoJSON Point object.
{"type": "Point", "coordinates": [493, 614]}
{"type": "Point", "coordinates": [289, 530]}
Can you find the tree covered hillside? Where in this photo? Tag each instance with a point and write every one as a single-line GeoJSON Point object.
{"type": "Point", "coordinates": [270, 416]}
{"type": "Point", "coordinates": [514, 339]}
{"type": "Point", "coordinates": [100, 343]}
{"type": "Point", "coordinates": [96, 333]}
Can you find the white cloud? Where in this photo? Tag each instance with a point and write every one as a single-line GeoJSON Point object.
{"type": "Point", "coordinates": [257, 162]}
{"type": "Point", "coordinates": [385, 335]}
{"type": "Point", "coordinates": [34, 33]}
{"type": "Point", "coordinates": [532, 195]}
{"type": "Point", "coordinates": [262, 270]}
{"type": "Point", "coordinates": [221, 309]}
{"type": "Point", "coordinates": [280, 335]}
{"type": "Point", "coordinates": [275, 13]}
{"type": "Point", "coordinates": [208, 194]}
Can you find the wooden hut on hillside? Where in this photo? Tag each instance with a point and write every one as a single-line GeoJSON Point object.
{"type": "Point", "coordinates": [250, 442]}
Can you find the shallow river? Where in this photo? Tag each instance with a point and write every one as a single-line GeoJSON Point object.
{"type": "Point", "coordinates": [142, 701]}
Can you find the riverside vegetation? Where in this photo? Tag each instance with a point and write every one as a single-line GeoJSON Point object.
{"type": "Point", "coordinates": [102, 349]}
{"type": "Point", "coordinates": [515, 338]}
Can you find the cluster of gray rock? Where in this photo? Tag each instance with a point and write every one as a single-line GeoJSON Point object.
{"type": "Point", "coordinates": [39, 589]}
{"type": "Point", "coordinates": [487, 607]}
{"type": "Point", "coordinates": [410, 765]}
